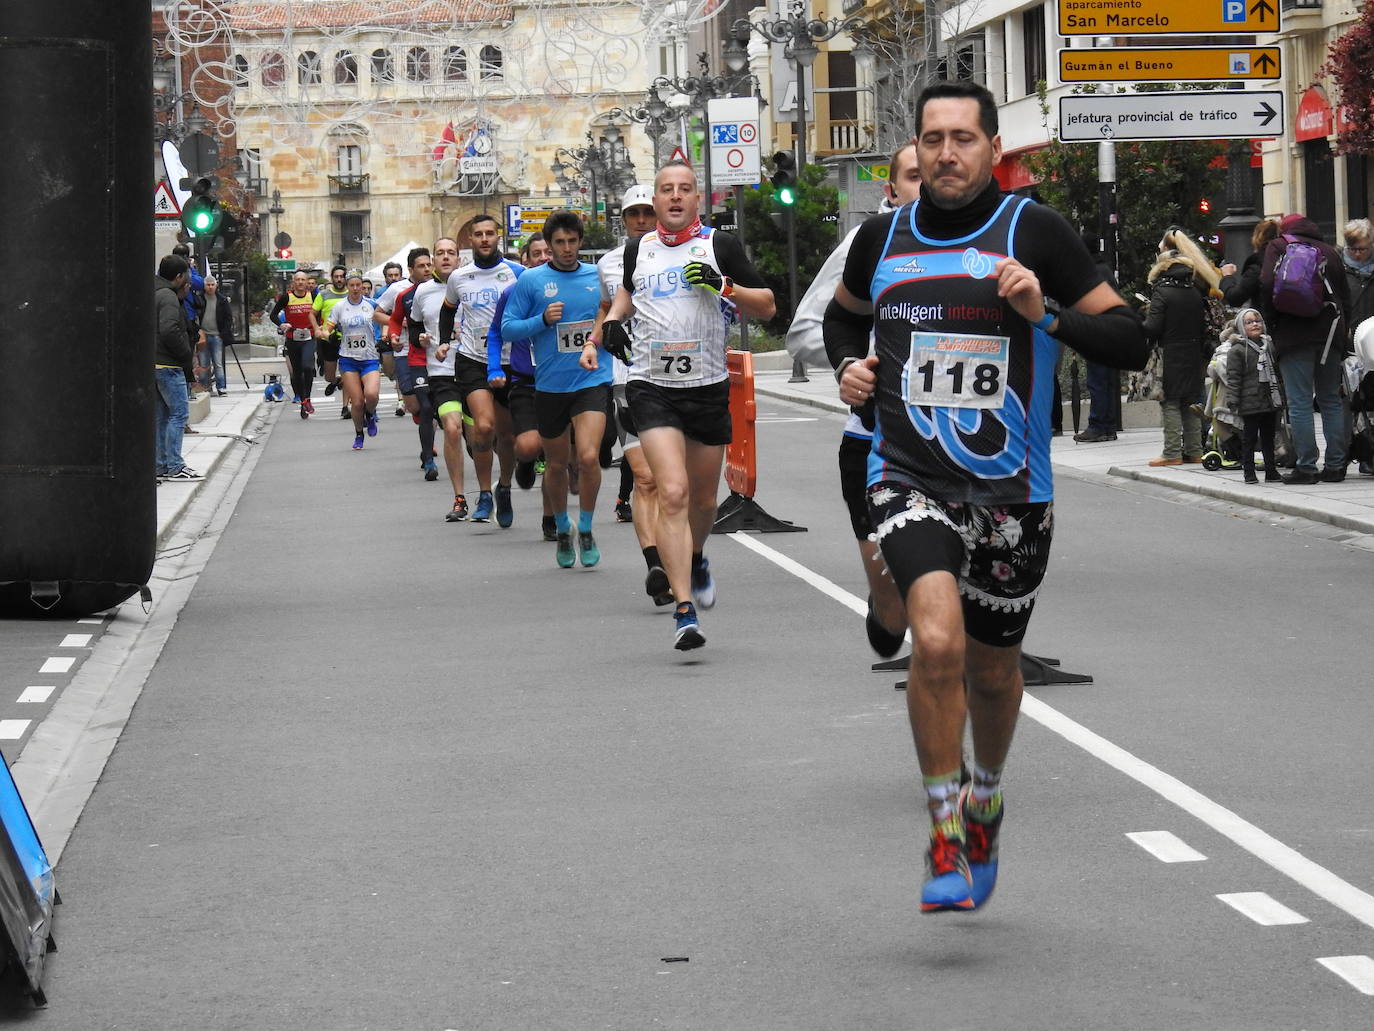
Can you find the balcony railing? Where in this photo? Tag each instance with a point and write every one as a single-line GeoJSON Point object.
{"type": "Point", "coordinates": [845, 137]}
{"type": "Point", "coordinates": [348, 185]}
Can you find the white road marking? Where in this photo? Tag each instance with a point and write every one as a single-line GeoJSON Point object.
{"type": "Point", "coordinates": [1166, 847]}
{"type": "Point", "coordinates": [57, 664]}
{"type": "Point", "coordinates": [1357, 970]}
{"type": "Point", "coordinates": [1262, 909]}
{"type": "Point", "coordinates": [35, 694]}
{"type": "Point", "coordinates": [91, 620]}
{"type": "Point", "coordinates": [13, 730]}
{"type": "Point", "coordinates": [1263, 846]}
{"type": "Point", "coordinates": [768, 419]}
{"type": "Point", "coordinates": [75, 641]}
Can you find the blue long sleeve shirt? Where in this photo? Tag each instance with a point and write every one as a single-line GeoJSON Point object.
{"type": "Point", "coordinates": [518, 357]}
{"type": "Point", "coordinates": [557, 349]}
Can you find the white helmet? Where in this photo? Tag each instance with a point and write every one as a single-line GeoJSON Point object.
{"type": "Point", "coordinates": [637, 197]}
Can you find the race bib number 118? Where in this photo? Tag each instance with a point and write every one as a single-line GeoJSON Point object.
{"type": "Point", "coordinates": [957, 370]}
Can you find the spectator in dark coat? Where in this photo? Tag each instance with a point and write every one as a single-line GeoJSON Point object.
{"type": "Point", "coordinates": [1240, 288]}
{"type": "Point", "coordinates": [1102, 381]}
{"type": "Point", "coordinates": [1177, 321]}
{"type": "Point", "coordinates": [1310, 353]}
{"type": "Point", "coordinates": [171, 366]}
{"type": "Point", "coordinates": [1358, 260]}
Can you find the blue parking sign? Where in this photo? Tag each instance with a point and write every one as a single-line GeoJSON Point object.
{"type": "Point", "coordinates": [727, 132]}
{"type": "Point", "coordinates": [1233, 10]}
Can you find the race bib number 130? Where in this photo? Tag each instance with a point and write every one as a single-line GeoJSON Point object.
{"type": "Point", "coordinates": [956, 370]}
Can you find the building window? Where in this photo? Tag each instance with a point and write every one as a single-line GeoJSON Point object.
{"type": "Point", "coordinates": [491, 62]}
{"type": "Point", "coordinates": [308, 68]}
{"type": "Point", "coordinates": [274, 69]}
{"type": "Point", "coordinates": [350, 161]}
{"type": "Point", "coordinates": [345, 68]}
{"type": "Point", "coordinates": [240, 71]}
{"type": "Point", "coordinates": [383, 70]}
{"type": "Point", "coordinates": [455, 64]}
{"type": "Point", "coordinates": [417, 64]}
{"type": "Point", "coordinates": [354, 244]}
{"type": "Point", "coordinates": [967, 59]}
{"type": "Point", "coordinates": [1033, 47]}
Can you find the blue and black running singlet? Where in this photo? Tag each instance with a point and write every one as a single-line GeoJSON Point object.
{"type": "Point", "coordinates": [965, 383]}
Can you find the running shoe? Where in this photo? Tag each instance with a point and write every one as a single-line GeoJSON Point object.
{"type": "Point", "coordinates": [586, 547]}
{"type": "Point", "coordinates": [686, 630]}
{"type": "Point", "coordinates": [524, 475]}
{"type": "Point", "coordinates": [482, 513]}
{"type": "Point", "coordinates": [295, 399]}
{"type": "Point", "coordinates": [330, 387]}
{"type": "Point", "coordinates": [882, 641]}
{"type": "Point", "coordinates": [307, 407]}
{"type": "Point", "coordinates": [505, 513]}
{"type": "Point", "coordinates": [623, 512]}
{"type": "Point", "coordinates": [948, 884]}
{"type": "Point", "coordinates": [539, 467]}
{"type": "Point", "coordinates": [184, 473]}
{"type": "Point", "coordinates": [304, 413]}
{"type": "Point", "coordinates": [400, 410]}
{"type": "Point", "coordinates": [703, 585]}
{"type": "Point", "coordinates": [564, 553]}
{"type": "Point", "coordinates": [344, 413]}
{"type": "Point", "coordinates": [358, 442]}
{"type": "Point", "coordinates": [459, 512]}
{"type": "Point", "coordinates": [980, 847]}
{"type": "Point", "coordinates": [431, 471]}
{"type": "Point", "coordinates": [371, 423]}
{"type": "Point", "coordinates": [550, 528]}
{"type": "Point", "coordinates": [656, 586]}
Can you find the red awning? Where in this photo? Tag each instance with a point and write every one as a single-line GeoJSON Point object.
{"type": "Point", "coordinates": [1011, 172]}
{"type": "Point", "coordinates": [1314, 120]}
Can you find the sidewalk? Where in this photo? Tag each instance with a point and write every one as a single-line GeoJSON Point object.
{"type": "Point", "coordinates": [1347, 506]}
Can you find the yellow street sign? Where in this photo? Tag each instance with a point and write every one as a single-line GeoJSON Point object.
{"type": "Point", "coordinates": [1167, 17]}
{"type": "Point", "coordinates": [1168, 64]}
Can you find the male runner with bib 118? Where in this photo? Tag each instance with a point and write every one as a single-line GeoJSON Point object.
{"type": "Point", "coordinates": [954, 288]}
{"type": "Point", "coordinates": [682, 283]}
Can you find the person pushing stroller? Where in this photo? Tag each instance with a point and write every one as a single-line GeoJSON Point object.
{"type": "Point", "coordinates": [1252, 391]}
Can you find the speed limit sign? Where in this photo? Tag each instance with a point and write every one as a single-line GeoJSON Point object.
{"type": "Point", "coordinates": [747, 133]}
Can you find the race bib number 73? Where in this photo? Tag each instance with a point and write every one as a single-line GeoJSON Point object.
{"type": "Point", "coordinates": [957, 370]}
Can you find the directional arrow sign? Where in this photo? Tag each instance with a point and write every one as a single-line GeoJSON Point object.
{"type": "Point", "coordinates": [1167, 17]}
{"type": "Point", "coordinates": [1220, 114]}
{"type": "Point", "coordinates": [1168, 64]}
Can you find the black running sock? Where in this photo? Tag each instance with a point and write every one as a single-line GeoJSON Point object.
{"type": "Point", "coordinates": [651, 558]}
{"type": "Point", "coordinates": [696, 561]}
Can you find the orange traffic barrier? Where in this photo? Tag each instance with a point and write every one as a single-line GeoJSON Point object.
{"type": "Point", "coordinates": [741, 460]}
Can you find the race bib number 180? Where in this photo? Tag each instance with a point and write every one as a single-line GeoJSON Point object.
{"type": "Point", "coordinates": [675, 360]}
{"type": "Point", "coordinates": [572, 336]}
{"type": "Point", "coordinates": [956, 370]}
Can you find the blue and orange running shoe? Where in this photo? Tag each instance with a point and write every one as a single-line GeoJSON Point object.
{"type": "Point", "coordinates": [980, 847]}
{"type": "Point", "coordinates": [948, 885]}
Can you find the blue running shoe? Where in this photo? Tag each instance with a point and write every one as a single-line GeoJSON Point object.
{"type": "Point", "coordinates": [358, 442]}
{"type": "Point", "coordinates": [703, 585]}
{"type": "Point", "coordinates": [431, 471]}
{"type": "Point", "coordinates": [564, 552]}
{"type": "Point", "coordinates": [948, 885]}
{"type": "Point", "coordinates": [586, 546]}
{"type": "Point", "coordinates": [482, 513]}
{"type": "Point", "coordinates": [687, 630]}
{"type": "Point", "coordinates": [980, 848]}
{"type": "Point", "coordinates": [505, 514]}
{"type": "Point", "coordinates": [371, 424]}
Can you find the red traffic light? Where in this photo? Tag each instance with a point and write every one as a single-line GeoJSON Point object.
{"type": "Point", "coordinates": [1204, 206]}
{"type": "Point", "coordinates": [283, 252]}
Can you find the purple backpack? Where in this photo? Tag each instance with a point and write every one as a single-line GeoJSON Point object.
{"type": "Point", "coordinates": [1300, 279]}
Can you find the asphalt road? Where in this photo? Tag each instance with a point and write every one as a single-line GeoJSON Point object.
{"type": "Point", "coordinates": [392, 773]}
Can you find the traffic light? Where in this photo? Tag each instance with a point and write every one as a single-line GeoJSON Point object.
{"type": "Point", "coordinates": [201, 214]}
{"type": "Point", "coordinates": [283, 252]}
{"type": "Point", "coordinates": [785, 178]}
{"type": "Point", "coordinates": [1205, 206]}
{"type": "Point", "coordinates": [229, 231]}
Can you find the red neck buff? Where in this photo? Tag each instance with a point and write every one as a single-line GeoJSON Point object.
{"type": "Point", "coordinates": [681, 236]}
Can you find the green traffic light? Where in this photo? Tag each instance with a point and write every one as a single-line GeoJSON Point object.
{"type": "Point", "coordinates": [200, 221]}
{"type": "Point", "coordinates": [787, 196]}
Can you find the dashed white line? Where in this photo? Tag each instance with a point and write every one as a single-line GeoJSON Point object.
{"type": "Point", "coordinates": [13, 730]}
{"type": "Point", "coordinates": [91, 621]}
{"type": "Point", "coordinates": [35, 693]}
{"type": "Point", "coordinates": [1166, 847]}
{"type": "Point", "coordinates": [1263, 846]}
{"type": "Point", "coordinates": [57, 664]}
{"type": "Point", "coordinates": [1358, 971]}
{"type": "Point", "coordinates": [75, 641]}
{"type": "Point", "coordinates": [1262, 909]}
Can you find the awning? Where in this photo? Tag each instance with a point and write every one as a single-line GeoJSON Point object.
{"type": "Point", "coordinates": [1314, 120]}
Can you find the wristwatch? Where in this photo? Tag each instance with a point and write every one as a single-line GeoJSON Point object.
{"type": "Point", "coordinates": [1050, 317]}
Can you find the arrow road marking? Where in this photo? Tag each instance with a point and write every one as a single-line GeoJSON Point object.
{"type": "Point", "coordinates": [1265, 847]}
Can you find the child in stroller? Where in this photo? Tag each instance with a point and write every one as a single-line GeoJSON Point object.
{"type": "Point", "coordinates": [1359, 374]}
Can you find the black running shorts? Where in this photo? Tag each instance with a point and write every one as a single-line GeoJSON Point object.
{"type": "Point", "coordinates": [554, 412]}
{"type": "Point", "coordinates": [701, 413]}
{"type": "Point", "coordinates": [854, 453]}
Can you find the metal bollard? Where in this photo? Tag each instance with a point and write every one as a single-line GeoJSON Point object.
{"type": "Point", "coordinates": [798, 372]}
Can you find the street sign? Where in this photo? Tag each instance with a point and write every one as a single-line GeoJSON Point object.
{"type": "Point", "coordinates": [873, 173]}
{"type": "Point", "coordinates": [1210, 115]}
{"type": "Point", "coordinates": [199, 153]}
{"type": "Point", "coordinates": [679, 155]}
{"type": "Point", "coordinates": [282, 264]}
{"type": "Point", "coordinates": [514, 219]}
{"type": "Point", "coordinates": [1169, 64]}
{"type": "Point", "coordinates": [164, 204]}
{"type": "Point", "coordinates": [734, 139]}
{"type": "Point", "coordinates": [1167, 17]}
{"type": "Point", "coordinates": [480, 165]}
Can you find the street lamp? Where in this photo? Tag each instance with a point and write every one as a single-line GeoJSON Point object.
{"type": "Point", "coordinates": [800, 34]}
{"type": "Point", "coordinates": [603, 163]}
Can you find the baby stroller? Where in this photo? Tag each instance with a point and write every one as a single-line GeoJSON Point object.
{"type": "Point", "coordinates": [1222, 446]}
{"type": "Point", "coordinates": [1359, 381]}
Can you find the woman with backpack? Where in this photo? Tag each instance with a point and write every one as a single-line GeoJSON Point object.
{"type": "Point", "coordinates": [1241, 287]}
{"type": "Point", "coordinates": [1304, 296]}
{"type": "Point", "coordinates": [1177, 321]}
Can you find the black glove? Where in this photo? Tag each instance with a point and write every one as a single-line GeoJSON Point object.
{"type": "Point", "coordinates": [616, 340]}
{"type": "Point", "coordinates": [700, 274]}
